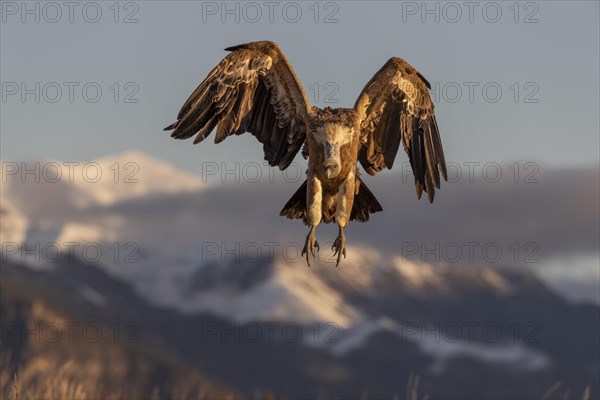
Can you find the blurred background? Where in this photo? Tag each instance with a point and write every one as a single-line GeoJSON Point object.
{"type": "Point", "coordinates": [136, 266]}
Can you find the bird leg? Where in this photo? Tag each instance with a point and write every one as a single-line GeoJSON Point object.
{"type": "Point", "coordinates": [343, 210]}
{"type": "Point", "coordinates": [314, 199]}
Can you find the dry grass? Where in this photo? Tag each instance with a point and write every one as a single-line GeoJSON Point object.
{"type": "Point", "coordinates": [412, 388]}
{"type": "Point", "coordinates": [566, 392]}
{"type": "Point", "coordinates": [81, 369]}
{"type": "Point", "coordinates": [65, 383]}
{"type": "Point", "coordinates": [31, 383]}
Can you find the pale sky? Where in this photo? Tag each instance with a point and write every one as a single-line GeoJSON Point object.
{"type": "Point", "coordinates": [548, 72]}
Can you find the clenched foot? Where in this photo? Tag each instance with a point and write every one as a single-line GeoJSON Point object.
{"type": "Point", "coordinates": [310, 246]}
{"type": "Point", "coordinates": [339, 247]}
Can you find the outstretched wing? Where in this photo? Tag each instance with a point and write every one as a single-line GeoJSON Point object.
{"type": "Point", "coordinates": [253, 89]}
{"type": "Point", "coordinates": [395, 107]}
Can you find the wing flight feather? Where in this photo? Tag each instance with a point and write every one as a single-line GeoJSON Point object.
{"type": "Point", "coordinates": [253, 89]}
{"type": "Point", "coordinates": [393, 108]}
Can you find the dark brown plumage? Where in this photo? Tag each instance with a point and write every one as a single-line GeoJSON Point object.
{"type": "Point", "coordinates": [254, 89]}
{"type": "Point", "coordinates": [395, 107]}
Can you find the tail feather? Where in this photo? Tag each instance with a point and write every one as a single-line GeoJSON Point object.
{"type": "Point", "coordinates": [365, 204]}
{"type": "Point", "coordinates": [295, 208]}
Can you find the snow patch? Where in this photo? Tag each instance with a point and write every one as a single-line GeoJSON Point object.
{"type": "Point", "coordinates": [92, 296]}
{"type": "Point", "coordinates": [13, 224]}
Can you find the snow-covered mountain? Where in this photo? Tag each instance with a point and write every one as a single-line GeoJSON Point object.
{"type": "Point", "coordinates": [52, 185]}
{"type": "Point", "coordinates": [62, 202]}
{"type": "Point", "coordinates": [129, 176]}
{"type": "Point", "coordinates": [149, 212]}
{"type": "Point", "coordinates": [170, 246]}
{"type": "Point", "coordinates": [375, 314]}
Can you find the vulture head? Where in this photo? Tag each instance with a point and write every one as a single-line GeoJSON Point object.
{"type": "Point", "coordinates": [334, 132]}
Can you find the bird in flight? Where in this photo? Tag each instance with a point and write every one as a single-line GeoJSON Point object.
{"type": "Point", "coordinates": [254, 89]}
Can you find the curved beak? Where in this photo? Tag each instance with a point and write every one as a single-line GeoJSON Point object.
{"type": "Point", "coordinates": [332, 164]}
{"type": "Point", "coordinates": [331, 168]}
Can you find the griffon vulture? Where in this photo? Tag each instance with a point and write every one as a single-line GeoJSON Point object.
{"type": "Point", "coordinates": [254, 89]}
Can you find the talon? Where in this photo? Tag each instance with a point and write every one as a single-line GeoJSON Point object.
{"type": "Point", "coordinates": [339, 248]}
{"type": "Point", "coordinates": [307, 257]}
{"type": "Point", "coordinates": [339, 258]}
{"type": "Point", "coordinates": [309, 247]}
